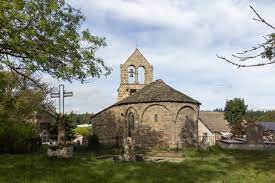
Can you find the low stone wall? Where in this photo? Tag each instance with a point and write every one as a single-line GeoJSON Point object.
{"type": "Point", "coordinates": [232, 144]}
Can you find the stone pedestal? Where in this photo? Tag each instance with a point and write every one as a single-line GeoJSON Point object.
{"type": "Point", "coordinates": [64, 152]}
{"type": "Point", "coordinates": [128, 145]}
{"type": "Point", "coordinates": [61, 131]}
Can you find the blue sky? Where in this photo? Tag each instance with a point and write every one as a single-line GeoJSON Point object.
{"type": "Point", "coordinates": [180, 38]}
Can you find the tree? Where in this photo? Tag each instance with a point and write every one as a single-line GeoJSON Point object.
{"type": "Point", "coordinates": [264, 50]}
{"type": "Point", "coordinates": [218, 110]}
{"type": "Point", "coordinates": [234, 113]}
{"type": "Point", "coordinates": [234, 110]}
{"type": "Point", "coordinates": [20, 99]}
{"type": "Point", "coordinates": [84, 118]}
{"type": "Point", "coordinates": [267, 116]}
{"type": "Point", "coordinates": [46, 36]}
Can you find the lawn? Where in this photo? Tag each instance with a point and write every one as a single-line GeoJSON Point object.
{"type": "Point", "coordinates": [216, 165]}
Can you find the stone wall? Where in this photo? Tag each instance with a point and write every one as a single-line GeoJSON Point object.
{"type": "Point", "coordinates": [156, 125]}
{"type": "Point", "coordinates": [136, 60]}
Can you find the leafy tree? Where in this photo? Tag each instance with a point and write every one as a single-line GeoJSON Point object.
{"type": "Point", "coordinates": [46, 36]}
{"type": "Point", "coordinates": [218, 110]}
{"type": "Point", "coordinates": [264, 50]}
{"type": "Point", "coordinates": [84, 131]}
{"type": "Point", "coordinates": [251, 114]}
{"type": "Point", "coordinates": [18, 137]}
{"type": "Point", "coordinates": [20, 99]}
{"type": "Point", "coordinates": [260, 115]}
{"type": "Point", "coordinates": [84, 118]}
{"type": "Point", "coordinates": [234, 113]}
{"type": "Point", "coordinates": [267, 116]}
{"type": "Point", "coordinates": [234, 110]}
{"type": "Point", "coordinates": [69, 127]}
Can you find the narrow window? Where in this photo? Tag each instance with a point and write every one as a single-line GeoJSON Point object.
{"type": "Point", "coordinates": [156, 118]}
{"type": "Point", "coordinates": [141, 75]}
{"type": "Point", "coordinates": [131, 123]}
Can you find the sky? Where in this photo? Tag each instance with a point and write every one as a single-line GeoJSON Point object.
{"type": "Point", "coordinates": [180, 38]}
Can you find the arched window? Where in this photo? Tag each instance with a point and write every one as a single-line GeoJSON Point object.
{"type": "Point", "coordinates": [141, 75]}
{"type": "Point", "coordinates": [156, 118]}
{"type": "Point", "coordinates": [131, 124]}
{"type": "Point", "coordinates": [131, 74]}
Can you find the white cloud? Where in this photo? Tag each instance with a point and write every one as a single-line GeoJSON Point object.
{"type": "Point", "coordinates": [181, 39]}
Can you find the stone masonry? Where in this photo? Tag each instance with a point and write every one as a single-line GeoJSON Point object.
{"type": "Point", "coordinates": [136, 60]}
{"type": "Point", "coordinates": [111, 125]}
{"type": "Point", "coordinates": [154, 116]}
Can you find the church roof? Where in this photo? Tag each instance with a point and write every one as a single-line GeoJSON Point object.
{"type": "Point", "coordinates": [157, 91]}
{"type": "Point", "coordinates": [215, 121]}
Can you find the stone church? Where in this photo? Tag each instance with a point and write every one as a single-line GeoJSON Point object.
{"type": "Point", "coordinates": [154, 114]}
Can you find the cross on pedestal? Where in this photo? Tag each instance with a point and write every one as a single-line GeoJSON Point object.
{"type": "Point", "coordinates": [61, 94]}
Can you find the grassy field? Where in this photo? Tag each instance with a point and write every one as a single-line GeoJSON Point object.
{"type": "Point", "coordinates": [214, 166]}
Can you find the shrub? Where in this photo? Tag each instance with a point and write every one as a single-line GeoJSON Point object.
{"type": "Point", "coordinates": [18, 137]}
{"type": "Point", "coordinates": [84, 131]}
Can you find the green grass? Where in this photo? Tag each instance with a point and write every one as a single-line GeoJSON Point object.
{"type": "Point", "coordinates": [215, 166]}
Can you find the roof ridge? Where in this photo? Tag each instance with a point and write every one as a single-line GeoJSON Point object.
{"type": "Point", "coordinates": [157, 91]}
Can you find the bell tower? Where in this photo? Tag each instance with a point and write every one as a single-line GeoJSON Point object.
{"type": "Point", "coordinates": [135, 73]}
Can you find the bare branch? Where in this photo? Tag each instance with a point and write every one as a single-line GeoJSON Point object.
{"type": "Point", "coordinates": [261, 19]}
{"type": "Point", "coordinates": [242, 65]}
{"type": "Point", "coordinates": [246, 57]}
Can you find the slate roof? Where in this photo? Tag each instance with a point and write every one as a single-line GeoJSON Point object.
{"type": "Point", "coordinates": [268, 126]}
{"type": "Point", "coordinates": [157, 91]}
{"type": "Point", "coordinates": [215, 121]}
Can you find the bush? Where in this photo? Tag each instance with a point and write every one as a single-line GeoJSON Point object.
{"type": "Point", "coordinates": [18, 137]}
{"type": "Point", "coordinates": [84, 131]}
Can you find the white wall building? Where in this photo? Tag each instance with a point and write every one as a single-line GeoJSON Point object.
{"type": "Point", "coordinates": [213, 126]}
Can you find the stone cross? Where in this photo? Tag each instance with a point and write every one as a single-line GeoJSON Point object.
{"type": "Point", "coordinates": [61, 94]}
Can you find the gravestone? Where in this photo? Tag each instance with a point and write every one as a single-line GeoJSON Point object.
{"type": "Point", "coordinates": [128, 145]}
{"type": "Point", "coordinates": [254, 134]}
